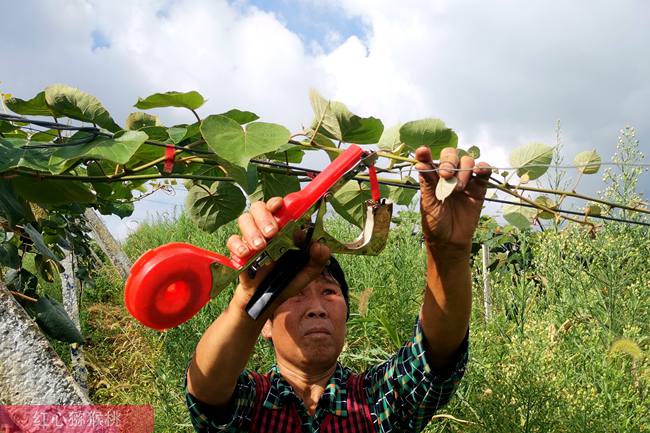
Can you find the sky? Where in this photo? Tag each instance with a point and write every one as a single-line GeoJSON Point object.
{"type": "Point", "coordinates": [500, 73]}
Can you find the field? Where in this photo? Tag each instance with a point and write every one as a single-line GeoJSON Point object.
{"type": "Point", "coordinates": [565, 349]}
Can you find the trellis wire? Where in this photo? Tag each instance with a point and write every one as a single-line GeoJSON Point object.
{"type": "Point", "coordinates": [94, 132]}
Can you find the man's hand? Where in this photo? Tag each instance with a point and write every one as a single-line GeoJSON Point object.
{"type": "Point", "coordinates": [257, 227]}
{"type": "Point", "coordinates": [451, 224]}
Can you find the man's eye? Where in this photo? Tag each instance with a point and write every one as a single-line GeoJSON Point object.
{"type": "Point", "coordinates": [329, 292]}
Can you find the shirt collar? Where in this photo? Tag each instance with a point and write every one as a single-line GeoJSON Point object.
{"type": "Point", "coordinates": [334, 398]}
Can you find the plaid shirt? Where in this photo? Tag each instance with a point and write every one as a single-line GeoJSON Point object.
{"type": "Point", "coordinates": [401, 394]}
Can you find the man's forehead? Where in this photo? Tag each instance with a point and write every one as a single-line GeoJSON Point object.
{"type": "Point", "coordinates": [327, 277]}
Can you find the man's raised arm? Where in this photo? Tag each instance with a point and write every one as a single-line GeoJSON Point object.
{"type": "Point", "coordinates": [448, 227]}
{"type": "Point", "coordinates": [224, 349]}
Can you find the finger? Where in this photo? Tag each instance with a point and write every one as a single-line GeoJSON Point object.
{"type": "Point", "coordinates": [483, 170]}
{"type": "Point", "coordinates": [425, 165]}
{"type": "Point", "coordinates": [250, 232]}
{"type": "Point", "coordinates": [319, 255]}
{"type": "Point", "coordinates": [448, 162]}
{"type": "Point", "coordinates": [465, 172]}
{"type": "Point", "coordinates": [264, 219]}
{"type": "Point", "coordinates": [479, 183]}
{"type": "Point", "coordinates": [237, 246]}
{"type": "Point", "coordinates": [274, 204]}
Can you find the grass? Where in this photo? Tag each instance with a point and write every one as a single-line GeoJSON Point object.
{"type": "Point", "coordinates": [541, 363]}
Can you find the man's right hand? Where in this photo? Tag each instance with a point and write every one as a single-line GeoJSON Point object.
{"type": "Point", "coordinates": [257, 227]}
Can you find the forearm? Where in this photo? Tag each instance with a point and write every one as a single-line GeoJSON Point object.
{"type": "Point", "coordinates": [222, 353]}
{"type": "Point", "coordinates": [447, 303]}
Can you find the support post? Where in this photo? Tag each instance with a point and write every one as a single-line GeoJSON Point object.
{"type": "Point", "coordinates": [30, 370]}
{"type": "Point", "coordinates": [107, 243]}
{"type": "Point", "coordinates": [487, 292]}
{"type": "Point", "coordinates": [70, 291]}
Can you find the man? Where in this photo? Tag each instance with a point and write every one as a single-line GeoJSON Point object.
{"type": "Point", "coordinates": [308, 391]}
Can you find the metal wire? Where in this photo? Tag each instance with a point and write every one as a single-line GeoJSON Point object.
{"type": "Point", "coordinates": [95, 132]}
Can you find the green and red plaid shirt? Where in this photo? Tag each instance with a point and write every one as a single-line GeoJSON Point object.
{"type": "Point", "coordinates": [399, 395]}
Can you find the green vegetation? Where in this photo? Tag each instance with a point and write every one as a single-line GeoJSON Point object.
{"type": "Point", "coordinates": [566, 348]}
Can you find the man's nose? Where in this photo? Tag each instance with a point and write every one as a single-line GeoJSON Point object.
{"type": "Point", "coordinates": [315, 307]}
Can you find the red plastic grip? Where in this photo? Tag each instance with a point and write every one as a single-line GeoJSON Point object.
{"type": "Point", "coordinates": [297, 203]}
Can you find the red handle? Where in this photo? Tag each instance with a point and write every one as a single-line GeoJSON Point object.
{"type": "Point", "coordinates": [168, 285]}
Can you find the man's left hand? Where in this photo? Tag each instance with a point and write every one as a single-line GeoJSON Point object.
{"type": "Point", "coordinates": [451, 223]}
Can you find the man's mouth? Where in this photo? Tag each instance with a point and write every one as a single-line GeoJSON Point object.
{"type": "Point", "coordinates": [317, 331]}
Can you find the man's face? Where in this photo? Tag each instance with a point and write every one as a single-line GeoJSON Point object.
{"type": "Point", "coordinates": [308, 330]}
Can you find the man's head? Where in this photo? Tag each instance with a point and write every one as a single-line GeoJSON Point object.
{"type": "Point", "coordinates": [308, 330]}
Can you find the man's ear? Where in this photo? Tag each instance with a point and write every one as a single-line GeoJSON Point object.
{"type": "Point", "coordinates": [266, 330]}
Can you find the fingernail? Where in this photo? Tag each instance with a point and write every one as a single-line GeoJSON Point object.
{"type": "Point", "coordinates": [268, 229]}
{"type": "Point", "coordinates": [242, 250]}
{"type": "Point", "coordinates": [258, 242]}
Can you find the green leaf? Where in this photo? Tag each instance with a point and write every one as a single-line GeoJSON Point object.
{"type": "Point", "coordinates": [292, 155]}
{"type": "Point", "coordinates": [350, 201]}
{"type": "Point", "coordinates": [140, 120]}
{"type": "Point", "coordinates": [37, 106]}
{"type": "Point", "coordinates": [75, 104]}
{"type": "Point", "coordinates": [39, 243]}
{"type": "Point", "coordinates": [445, 187]}
{"type": "Point", "coordinates": [118, 150]}
{"type": "Point", "coordinates": [519, 216]}
{"type": "Point", "coordinates": [237, 145]}
{"type": "Point", "coordinates": [241, 117]}
{"type": "Point", "coordinates": [123, 210]}
{"type": "Point", "coordinates": [246, 178]}
{"type": "Point", "coordinates": [12, 208]}
{"type": "Point", "coordinates": [45, 267]}
{"type": "Point", "coordinates": [45, 136]}
{"type": "Point", "coordinates": [191, 100]}
{"type": "Point", "coordinates": [389, 140]}
{"type": "Point", "coordinates": [18, 133]}
{"type": "Point", "coordinates": [21, 280]}
{"type": "Point", "coordinates": [588, 162]}
{"type": "Point", "coordinates": [7, 127]}
{"type": "Point", "coordinates": [211, 209]}
{"type": "Point", "coordinates": [532, 159]}
{"type": "Point", "coordinates": [55, 322]}
{"type": "Point", "coordinates": [474, 152]}
{"type": "Point", "coordinates": [337, 122]}
{"type": "Point", "coordinates": [432, 133]}
{"type": "Point", "coordinates": [403, 196]}
{"type": "Point", "coordinates": [593, 209]}
{"type": "Point", "coordinates": [179, 133]}
{"type": "Point", "coordinates": [157, 133]}
{"type": "Point", "coordinates": [323, 141]}
{"type": "Point", "coordinates": [278, 185]}
{"type": "Point", "coordinates": [9, 255]}
{"type": "Point", "coordinates": [12, 155]}
{"type": "Point", "coordinates": [548, 203]}
{"type": "Point", "coordinates": [52, 191]}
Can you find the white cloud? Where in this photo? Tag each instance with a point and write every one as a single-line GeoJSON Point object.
{"type": "Point", "coordinates": [500, 73]}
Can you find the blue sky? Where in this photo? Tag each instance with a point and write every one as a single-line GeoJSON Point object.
{"type": "Point", "coordinates": [325, 23]}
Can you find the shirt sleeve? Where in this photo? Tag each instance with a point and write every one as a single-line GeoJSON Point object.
{"type": "Point", "coordinates": [405, 392]}
{"type": "Point", "coordinates": [206, 419]}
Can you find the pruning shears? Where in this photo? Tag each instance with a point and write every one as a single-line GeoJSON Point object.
{"type": "Point", "coordinates": [169, 284]}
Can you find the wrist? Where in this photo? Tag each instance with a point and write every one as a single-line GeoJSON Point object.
{"type": "Point", "coordinates": [446, 253]}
